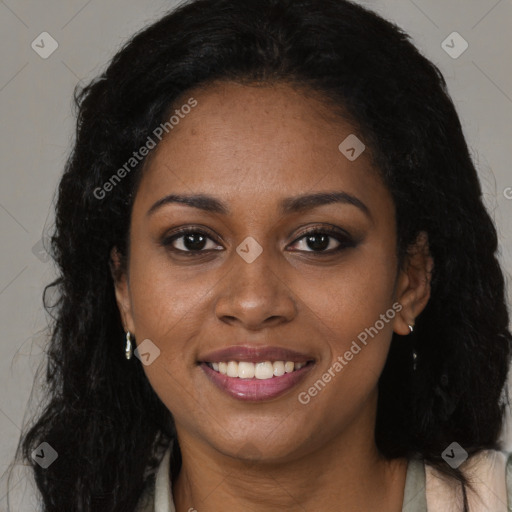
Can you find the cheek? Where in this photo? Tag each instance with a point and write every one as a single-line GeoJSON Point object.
{"type": "Point", "coordinates": [164, 308]}
{"type": "Point", "coordinates": [347, 311]}
{"type": "Point", "coordinates": [163, 295]}
{"type": "Point", "coordinates": [165, 311]}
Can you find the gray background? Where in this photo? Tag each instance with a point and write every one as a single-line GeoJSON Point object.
{"type": "Point", "coordinates": [37, 132]}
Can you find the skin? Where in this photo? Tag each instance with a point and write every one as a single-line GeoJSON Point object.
{"type": "Point", "coordinates": [251, 147]}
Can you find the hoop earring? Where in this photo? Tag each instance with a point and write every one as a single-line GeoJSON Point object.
{"type": "Point", "coordinates": [128, 347]}
{"type": "Point", "coordinates": [411, 327]}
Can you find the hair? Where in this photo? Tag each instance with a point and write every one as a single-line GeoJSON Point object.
{"type": "Point", "coordinates": [102, 416]}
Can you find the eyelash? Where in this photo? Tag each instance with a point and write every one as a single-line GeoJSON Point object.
{"type": "Point", "coordinates": [344, 240]}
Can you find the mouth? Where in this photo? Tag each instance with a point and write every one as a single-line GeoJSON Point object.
{"type": "Point", "coordinates": [262, 370]}
{"type": "Point", "coordinates": [255, 374]}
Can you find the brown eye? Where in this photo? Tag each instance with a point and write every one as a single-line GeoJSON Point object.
{"type": "Point", "coordinates": [193, 241]}
{"type": "Point", "coordinates": [318, 242]}
{"type": "Point", "coordinates": [324, 241]}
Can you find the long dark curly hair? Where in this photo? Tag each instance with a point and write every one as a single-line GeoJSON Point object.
{"type": "Point", "coordinates": [101, 415]}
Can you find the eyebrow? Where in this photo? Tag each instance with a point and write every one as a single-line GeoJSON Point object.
{"type": "Point", "coordinates": [286, 206]}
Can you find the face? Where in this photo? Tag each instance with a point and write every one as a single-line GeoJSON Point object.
{"type": "Point", "coordinates": [262, 276]}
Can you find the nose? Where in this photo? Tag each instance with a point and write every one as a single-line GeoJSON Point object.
{"type": "Point", "coordinates": [255, 295]}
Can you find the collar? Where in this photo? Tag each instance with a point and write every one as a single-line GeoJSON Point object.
{"type": "Point", "coordinates": [163, 493]}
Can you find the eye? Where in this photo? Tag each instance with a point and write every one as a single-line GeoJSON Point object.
{"type": "Point", "coordinates": [321, 240]}
{"type": "Point", "coordinates": [193, 241]}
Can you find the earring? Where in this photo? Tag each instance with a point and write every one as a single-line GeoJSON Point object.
{"type": "Point", "coordinates": [128, 348]}
{"type": "Point", "coordinates": [414, 355]}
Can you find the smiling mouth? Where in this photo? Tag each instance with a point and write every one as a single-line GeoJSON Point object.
{"type": "Point", "coordinates": [263, 370]}
{"type": "Point", "coordinates": [256, 382]}
{"type": "Point", "coordinates": [256, 373]}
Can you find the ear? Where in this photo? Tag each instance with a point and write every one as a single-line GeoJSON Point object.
{"type": "Point", "coordinates": [122, 290]}
{"type": "Point", "coordinates": [413, 284]}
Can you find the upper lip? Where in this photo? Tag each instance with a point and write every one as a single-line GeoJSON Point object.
{"type": "Point", "coordinates": [254, 355]}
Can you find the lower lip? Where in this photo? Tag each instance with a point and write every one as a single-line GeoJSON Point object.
{"type": "Point", "coordinates": [256, 389]}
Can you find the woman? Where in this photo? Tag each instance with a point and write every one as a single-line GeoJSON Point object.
{"type": "Point", "coordinates": [270, 209]}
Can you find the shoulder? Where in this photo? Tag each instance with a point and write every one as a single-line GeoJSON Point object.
{"type": "Point", "coordinates": [490, 474]}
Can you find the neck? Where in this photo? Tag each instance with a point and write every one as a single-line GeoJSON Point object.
{"type": "Point", "coordinates": [335, 476]}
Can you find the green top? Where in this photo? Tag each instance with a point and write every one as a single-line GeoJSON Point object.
{"type": "Point", "coordinates": [415, 499]}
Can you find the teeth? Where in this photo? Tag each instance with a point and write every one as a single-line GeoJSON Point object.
{"type": "Point", "coordinates": [232, 369]}
{"type": "Point", "coordinates": [245, 370]}
{"type": "Point", "coordinates": [278, 368]}
{"type": "Point", "coordinates": [263, 370]}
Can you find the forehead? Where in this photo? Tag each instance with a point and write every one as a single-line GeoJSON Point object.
{"type": "Point", "coordinates": [246, 142]}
